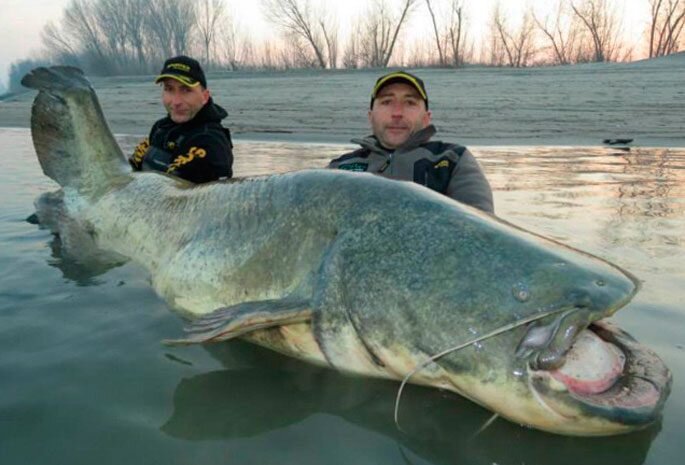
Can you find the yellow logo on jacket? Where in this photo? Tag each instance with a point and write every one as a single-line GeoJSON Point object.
{"type": "Point", "coordinates": [185, 159]}
{"type": "Point", "coordinates": [442, 164]}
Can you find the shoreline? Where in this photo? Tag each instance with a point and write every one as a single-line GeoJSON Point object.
{"type": "Point", "coordinates": [304, 139]}
{"type": "Point", "coordinates": [580, 105]}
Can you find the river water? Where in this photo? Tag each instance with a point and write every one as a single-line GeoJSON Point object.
{"type": "Point", "coordinates": [84, 379]}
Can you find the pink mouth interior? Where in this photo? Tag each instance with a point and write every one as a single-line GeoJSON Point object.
{"type": "Point", "coordinates": [592, 365]}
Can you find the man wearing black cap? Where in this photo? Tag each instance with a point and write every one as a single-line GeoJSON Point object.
{"type": "Point", "coordinates": [400, 147]}
{"type": "Point", "coordinates": [190, 141]}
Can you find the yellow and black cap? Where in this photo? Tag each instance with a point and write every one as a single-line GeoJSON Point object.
{"type": "Point", "coordinates": [184, 69]}
{"type": "Point", "coordinates": [399, 76]}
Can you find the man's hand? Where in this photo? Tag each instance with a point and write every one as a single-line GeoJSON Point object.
{"type": "Point", "coordinates": [136, 159]}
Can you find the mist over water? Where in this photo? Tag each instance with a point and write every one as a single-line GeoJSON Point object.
{"type": "Point", "coordinates": [85, 380]}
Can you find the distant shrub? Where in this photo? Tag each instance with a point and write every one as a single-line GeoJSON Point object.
{"type": "Point", "coordinates": [17, 71]}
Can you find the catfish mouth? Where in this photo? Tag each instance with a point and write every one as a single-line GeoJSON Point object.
{"type": "Point", "coordinates": [610, 374]}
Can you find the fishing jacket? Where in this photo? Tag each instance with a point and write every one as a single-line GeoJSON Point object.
{"type": "Point", "coordinates": [199, 150]}
{"type": "Point", "coordinates": [449, 169]}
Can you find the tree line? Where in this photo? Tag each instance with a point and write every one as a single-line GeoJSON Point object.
{"type": "Point", "coordinates": [114, 37]}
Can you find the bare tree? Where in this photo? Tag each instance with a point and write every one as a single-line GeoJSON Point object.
{"type": "Point", "coordinates": [134, 13]}
{"type": "Point", "coordinates": [438, 42]}
{"type": "Point", "coordinates": [121, 36]}
{"type": "Point", "coordinates": [232, 45]}
{"type": "Point", "coordinates": [381, 31]}
{"type": "Point", "coordinates": [248, 53]}
{"type": "Point", "coordinates": [561, 30]}
{"type": "Point", "coordinates": [604, 26]}
{"type": "Point", "coordinates": [666, 25]}
{"type": "Point", "coordinates": [111, 22]}
{"type": "Point", "coordinates": [172, 23]}
{"type": "Point", "coordinates": [456, 33]}
{"type": "Point", "coordinates": [352, 56]}
{"type": "Point", "coordinates": [449, 35]}
{"type": "Point", "coordinates": [80, 38]}
{"type": "Point", "coordinates": [295, 54]}
{"type": "Point", "coordinates": [210, 14]}
{"type": "Point", "coordinates": [296, 19]}
{"type": "Point", "coordinates": [267, 57]}
{"type": "Point", "coordinates": [80, 23]}
{"type": "Point", "coordinates": [57, 44]}
{"type": "Point", "coordinates": [417, 54]}
{"type": "Point", "coordinates": [330, 35]}
{"type": "Point", "coordinates": [518, 45]}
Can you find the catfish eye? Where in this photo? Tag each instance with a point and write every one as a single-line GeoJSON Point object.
{"type": "Point", "coordinates": [520, 292]}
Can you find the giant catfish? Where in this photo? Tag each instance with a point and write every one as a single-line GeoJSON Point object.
{"type": "Point", "coordinates": [362, 274]}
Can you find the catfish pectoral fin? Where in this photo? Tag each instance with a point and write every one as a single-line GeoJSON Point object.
{"type": "Point", "coordinates": [229, 322]}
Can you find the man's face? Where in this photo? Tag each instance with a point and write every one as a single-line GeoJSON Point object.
{"type": "Point", "coordinates": [183, 102]}
{"type": "Point", "coordinates": [398, 112]}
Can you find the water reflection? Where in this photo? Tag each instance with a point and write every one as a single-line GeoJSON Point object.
{"type": "Point", "coordinates": [442, 428]}
{"type": "Point", "coordinates": [74, 251]}
{"type": "Point", "coordinates": [81, 269]}
{"type": "Point", "coordinates": [655, 185]}
{"type": "Point", "coordinates": [635, 198]}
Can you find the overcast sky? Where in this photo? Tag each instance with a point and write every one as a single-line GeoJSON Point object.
{"type": "Point", "coordinates": [22, 20]}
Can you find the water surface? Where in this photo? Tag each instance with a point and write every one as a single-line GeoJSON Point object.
{"type": "Point", "coordinates": [84, 379]}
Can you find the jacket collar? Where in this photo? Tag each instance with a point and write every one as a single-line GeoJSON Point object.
{"type": "Point", "coordinates": [418, 138]}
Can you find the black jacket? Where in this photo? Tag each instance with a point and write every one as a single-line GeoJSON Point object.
{"type": "Point", "coordinates": [199, 150]}
{"type": "Point", "coordinates": [450, 169]}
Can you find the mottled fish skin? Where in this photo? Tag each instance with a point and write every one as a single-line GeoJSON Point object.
{"type": "Point", "coordinates": [351, 271]}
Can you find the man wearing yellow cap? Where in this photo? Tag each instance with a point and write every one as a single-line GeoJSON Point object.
{"type": "Point", "coordinates": [400, 147]}
{"type": "Point", "coordinates": [190, 141]}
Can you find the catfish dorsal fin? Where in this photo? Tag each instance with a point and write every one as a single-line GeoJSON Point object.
{"type": "Point", "coordinates": [230, 322]}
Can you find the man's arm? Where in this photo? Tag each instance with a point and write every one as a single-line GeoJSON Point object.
{"type": "Point", "coordinates": [136, 159]}
{"type": "Point", "coordinates": [469, 185]}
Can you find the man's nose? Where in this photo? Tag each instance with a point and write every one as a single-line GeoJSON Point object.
{"type": "Point", "coordinates": [176, 98]}
{"type": "Point", "coordinates": [397, 109]}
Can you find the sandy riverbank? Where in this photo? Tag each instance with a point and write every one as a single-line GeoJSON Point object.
{"type": "Point", "coordinates": [569, 105]}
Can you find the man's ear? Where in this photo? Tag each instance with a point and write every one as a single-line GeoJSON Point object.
{"type": "Point", "coordinates": [428, 117]}
{"type": "Point", "coordinates": [205, 96]}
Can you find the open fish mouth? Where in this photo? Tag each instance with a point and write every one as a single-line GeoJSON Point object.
{"type": "Point", "coordinates": [609, 374]}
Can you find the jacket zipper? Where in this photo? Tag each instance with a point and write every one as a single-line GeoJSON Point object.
{"type": "Point", "coordinates": [388, 160]}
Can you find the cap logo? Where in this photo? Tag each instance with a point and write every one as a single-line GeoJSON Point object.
{"type": "Point", "coordinates": [179, 66]}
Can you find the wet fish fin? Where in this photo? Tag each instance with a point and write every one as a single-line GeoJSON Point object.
{"type": "Point", "coordinates": [73, 143]}
{"type": "Point", "coordinates": [229, 322]}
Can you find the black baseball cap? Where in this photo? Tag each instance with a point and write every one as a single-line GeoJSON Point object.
{"type": "Point", "coordinates": [185, 70]}
{"type": "Point", "coordinates": [399, 76]}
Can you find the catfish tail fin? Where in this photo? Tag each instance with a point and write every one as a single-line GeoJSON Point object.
{"type": "Point", "coordinates": [72, 140]}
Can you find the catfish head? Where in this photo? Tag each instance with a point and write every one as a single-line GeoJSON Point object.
{"type": "Point", "coordinates": [519, 321]}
